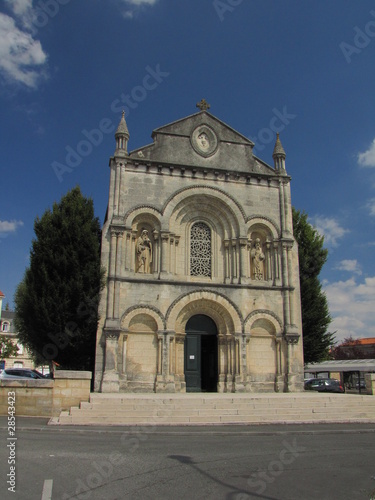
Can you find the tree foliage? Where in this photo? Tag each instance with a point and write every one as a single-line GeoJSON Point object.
{"type": "Point", "coordinates": [315, 313]}
{"type": "Point", "coordinates": [7, 347]}
{"type": "Point", "coordinates": [352, 348]}
{"type": "Point", "coordinates": [56, 303]}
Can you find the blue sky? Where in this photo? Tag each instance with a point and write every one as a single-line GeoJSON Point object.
{"type": "Point", "coordinates": [305, 69]}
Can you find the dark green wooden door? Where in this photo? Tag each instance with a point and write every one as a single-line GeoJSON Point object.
{"type": "Point", "coordinates": [193, 362]}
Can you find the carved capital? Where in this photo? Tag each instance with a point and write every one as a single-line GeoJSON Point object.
{"type": "Point", "coordinates": [111, 335]}
{"type": "Point", "coordinates": [292, 339]}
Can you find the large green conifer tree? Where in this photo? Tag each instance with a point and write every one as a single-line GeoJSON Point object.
{"type": "Point", "coordinates": [56, 303]}
{"type": "Point", "coordinates": [315, 314]}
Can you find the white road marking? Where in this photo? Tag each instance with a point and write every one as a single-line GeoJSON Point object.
{"type": "Point", "coordinates": [47, 489]}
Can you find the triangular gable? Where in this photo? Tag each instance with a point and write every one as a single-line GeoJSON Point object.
{"type": "Point", "coordinates": [183, 126]}
{"type": "Point", "coordinates": [202, 140]}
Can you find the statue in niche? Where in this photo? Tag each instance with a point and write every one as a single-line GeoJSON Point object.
{"type": "Point", "coordinates": [203, 141]}
{"type": "Point", "coordinates": [144, 253]}
{"type": "Point", "coordinates": [257, 257]}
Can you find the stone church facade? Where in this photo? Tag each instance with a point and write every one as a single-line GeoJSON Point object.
{"type": "Point", "coordinates": [202, 278]}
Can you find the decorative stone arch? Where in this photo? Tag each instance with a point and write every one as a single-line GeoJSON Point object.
{"type": "Point", "coordinates": [263, 236]}
{"type": "Point", "coordinates": [139, 347]}
{"type": "Point", "coordinates": [142, 217]}
{"type": "Point", "coordinates": [263, 315]}
{"type": "Point", "coordinates": [263, 224]}
{"type": "Point", "coordinates": [232, 207]}
{"type": "Point", "coordinates": [212, 208]}
{"type": "Point", "coordinates": [148, 212]}
{"type": "Point", "coordinates": [226, 315]}
{"type": "Point", "coordinates": [265, 356]}
{"type": "Point", "coordinates": [145, 310]}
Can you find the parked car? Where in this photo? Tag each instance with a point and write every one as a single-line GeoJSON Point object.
{"type": "Point", "coordinates": [20, 373]}
{"type": "Point", "coordinates": [361, 384]}
{"type": "Point", "coordinates": [324, 385]}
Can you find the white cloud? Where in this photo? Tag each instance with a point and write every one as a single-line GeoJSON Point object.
{"type": "Point", "coordinates": [329, 228]}
{"type": "Point", "coordinates": [20, 7]}
{"type": "Point", "coordinates": [7, 227]}
{"type": "Point", "coordinates": [350, 266]}
{"type": "Point", "coordinates": [22, 58]}
{"type": "Point", "coordinates": [352, 308]}
{"type": "Point", "coordinates": [134, 5]}
{"type": "Point", "coordinates": [371, 206]}
{"type": "Point", "coordinates": [140, 2]}
{"type": "Point", "coordinates": [367, 159]}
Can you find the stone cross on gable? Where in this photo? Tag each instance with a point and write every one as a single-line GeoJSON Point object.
{"type": "Point", "coordinates": [203, 105]}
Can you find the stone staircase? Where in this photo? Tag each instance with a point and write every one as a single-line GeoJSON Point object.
{"type": "Point", "coordinates": [224, 409]}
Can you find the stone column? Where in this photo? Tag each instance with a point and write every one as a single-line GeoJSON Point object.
{"type": "Point", "coordinates": [294, 377]}
{"type": "Point", "coordinates": [230, 365]}
{"type": "Point", "coordinates": [243, 260]}
{"type": "Point", "coordinates": [235, 261]}
{"type": "Point", "coordinates": [165, 379]}
{"type": "Point", "coordinates": [164, 253]}
{"type": "Point", "coordinates": [118, 273]}
{"type": "Point", "coordinates": [223, 363]}
{"type": "Point", "coordinates": [285, 286]}
{"type": "Point", "coordinates": [121, 201]}
{"type": "Point", "coordinates": [176, 242]}
{"type": "Point", "coordinates": [128, 250]}
{"type": "Point", "coordinates": [268, 270]}
{"type": "Point", "coordinates": [156, 253]}
{"type": "Point", "coordinates": [280, 380]}
{"type": "Point", "coordinates": [133, 250]}
{"type": "Point", "coordinates": [291, 292]}
{"type": "Point", "coordinates": [227, 262]}
{"type": "Point", "coordinates": [248, 383]}
{"type": "Point", "coordinates": [172, 254]}
{"type": "Point", "coordinates": [179, 363]}
{"type": "Point", "coordinates": [110, 382]}
{"type": "Point", "coordinates": [111, 274]}
{"type": "Point", "coordinates": [117, 189]}
{"type": "Point", "coordinates": [172, 355]}
{"type": "Point", "coordinates": [160, 355]}
{"type": "Point", "coordinates": [282, 206]}
{"type": "Point", "coordinates": [276, 262]}
{"type": "Point", "coordinates": [124, 354]}
{"type": "Point", "coordinates": [241, 368]}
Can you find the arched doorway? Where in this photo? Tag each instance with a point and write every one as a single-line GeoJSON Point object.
{"type": "Point", "coordinates": [201, 358]}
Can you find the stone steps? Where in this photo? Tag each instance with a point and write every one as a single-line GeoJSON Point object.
{"type": "Point", "coordinates": [211, 409]}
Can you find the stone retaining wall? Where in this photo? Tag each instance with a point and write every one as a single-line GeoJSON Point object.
{"type": "Point", "coordinates": [46, 398]}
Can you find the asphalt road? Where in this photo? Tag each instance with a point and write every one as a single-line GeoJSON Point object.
{"type": "Point", "coordinates": [300, 462]}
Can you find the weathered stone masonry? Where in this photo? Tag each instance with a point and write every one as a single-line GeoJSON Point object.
{"type": "Point", "coordinates": [198, 227]}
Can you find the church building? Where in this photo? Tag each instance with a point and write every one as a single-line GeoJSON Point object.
{"type": "Point", "coordinates": [202, 278]}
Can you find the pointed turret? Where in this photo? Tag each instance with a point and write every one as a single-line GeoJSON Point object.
{"type": "Point", "coordinates": [122, 137]}
{"type": "Point", "coordinates": [279, 155]}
